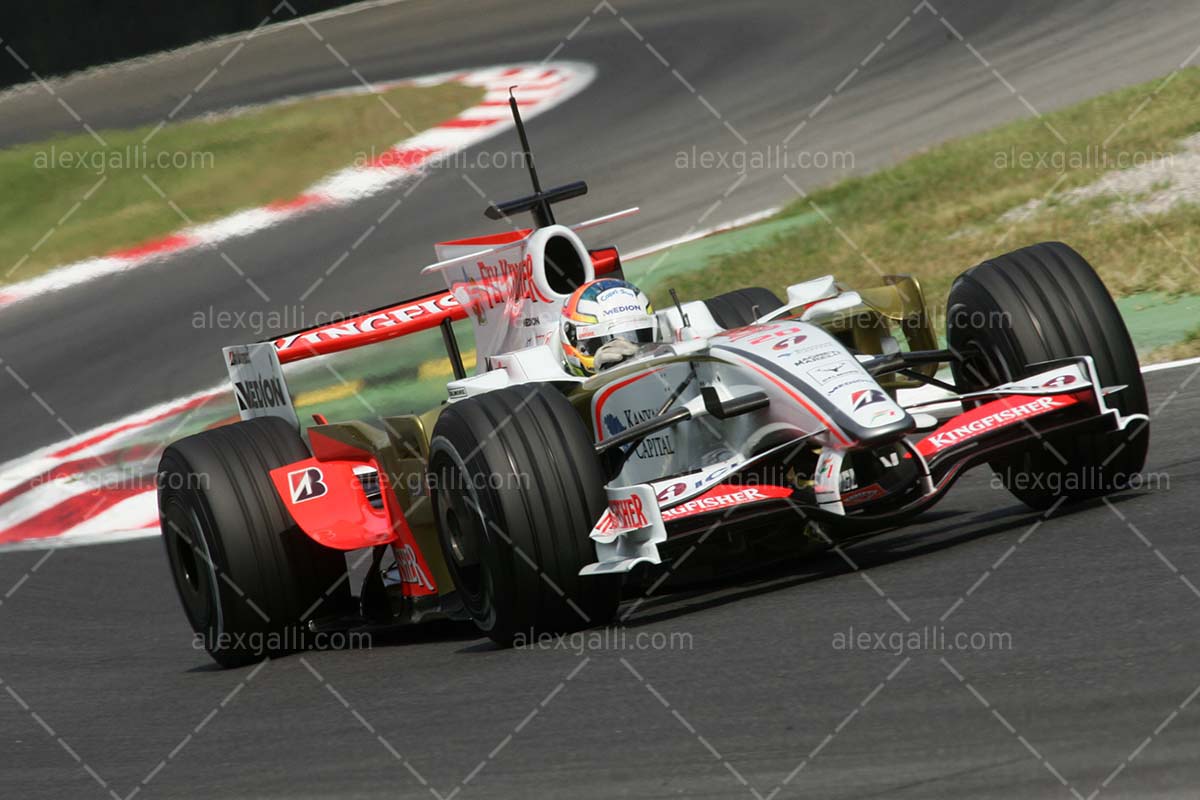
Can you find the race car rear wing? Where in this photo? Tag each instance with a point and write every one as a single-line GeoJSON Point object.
{"type": "Point", "coordinates": [255, 370]}
{"type": "Point", "coordinates": [369, 327]}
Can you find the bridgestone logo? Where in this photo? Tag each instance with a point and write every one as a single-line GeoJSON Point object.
{"type": "Point", "coordinates": [986, 423]}
{"type": "Point", "coordinates": [307, 484]}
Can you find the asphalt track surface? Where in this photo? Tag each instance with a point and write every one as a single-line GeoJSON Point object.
{"type": "Point", "coordinates": [1096, 689]}
{"type": "Point", "coordinates": [1102, 652]}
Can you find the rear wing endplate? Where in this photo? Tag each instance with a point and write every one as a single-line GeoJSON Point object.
{"type": "Point", "coordinates": [258, 384]}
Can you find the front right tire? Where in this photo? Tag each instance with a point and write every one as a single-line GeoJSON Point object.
{"type": "Point", "coordinates": [1035, 304]}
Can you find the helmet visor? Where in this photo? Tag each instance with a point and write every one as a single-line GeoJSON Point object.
{"type": "Point", "coordinates": [638, 336]}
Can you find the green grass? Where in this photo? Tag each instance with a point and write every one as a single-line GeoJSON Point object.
{"type": "Point", "coordinates": [1188, 347]}
{"type": "Point", "coordinates": [937, 213]}
{"type": "Point", "coordinates": [52, 214]}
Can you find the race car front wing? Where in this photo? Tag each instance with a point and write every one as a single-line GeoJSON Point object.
{"type": "Point", "coordinates": [1063, 395]}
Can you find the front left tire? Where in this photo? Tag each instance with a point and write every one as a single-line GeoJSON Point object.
{"type": "Point", "coordinates": [516, 488]}
{"type": "Point", "coordinates": [248, 578]}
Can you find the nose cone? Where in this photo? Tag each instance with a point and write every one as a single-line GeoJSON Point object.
{"type": "Point", "coordinates": [821, 376]}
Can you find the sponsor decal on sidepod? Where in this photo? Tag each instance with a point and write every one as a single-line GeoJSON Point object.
{"type": "Point", "coordinates": [651, 446]}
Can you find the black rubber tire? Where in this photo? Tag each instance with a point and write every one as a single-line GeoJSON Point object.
{"type": "Point", "coordinates": [516, 488]}
{"type": "Point", "coordinates": [1034, 304]}
{"type": "Point", "coordinates": [742, 306]}
{"type": "Point", "coordinates": [248, 577]}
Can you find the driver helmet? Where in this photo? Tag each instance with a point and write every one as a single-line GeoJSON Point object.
{"type": "Point", "coordinates": [604, 322]}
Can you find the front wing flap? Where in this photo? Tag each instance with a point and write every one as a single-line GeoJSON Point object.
{"type": "Point", "coordinates": [1065, 394]}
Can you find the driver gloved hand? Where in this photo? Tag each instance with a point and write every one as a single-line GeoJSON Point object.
{"type": "Point", "coordinates": [614, 352]}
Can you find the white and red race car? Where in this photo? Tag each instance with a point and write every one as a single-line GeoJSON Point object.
{"type": "Point", "coordinates": [529, 496]}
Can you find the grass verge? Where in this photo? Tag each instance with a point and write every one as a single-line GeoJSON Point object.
{"type": "Point", "coordinates": [72, 197]}
{"type": "Point", "coordinates": [944, 210]}
{"type": "Point", "coordinates": [1188, 347]}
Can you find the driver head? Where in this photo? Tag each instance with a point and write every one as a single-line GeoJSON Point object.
{"type": "Point", "coordinates": [604, 322]}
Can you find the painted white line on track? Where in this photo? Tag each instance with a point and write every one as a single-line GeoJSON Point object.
{"type": "Point", "coordinates": [82, 540]}
{"type": "Point", "coordinates": [740, 222]}
{"type": "Point", "coordinates": [98, 441]}
{"type": "Point", "coordinates": [139, 508]}
{"type": "Point", "coordinates": [1183, 362]}
{"type": "Point", "coordinates": [552, 83]}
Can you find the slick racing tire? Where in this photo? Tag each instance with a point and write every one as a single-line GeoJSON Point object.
{"type": "Point", "coordinates": [1035, 304]}
{"type": "Point", "coordinates": [741, 307]}
{"type": "Point", "coordinates": [248, 578]}
{"type": "Point", "coordinates": [516, 488]}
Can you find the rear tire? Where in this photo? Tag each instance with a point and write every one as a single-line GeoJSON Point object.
{"type": "Point", "coordinates": [1035, 304]}
{"type": "Point", "coordinates": [248, 577]}
{"type": "Point", "coordinates": [741, 307]}
{"type": "Point", "coordinates": [516, 489]}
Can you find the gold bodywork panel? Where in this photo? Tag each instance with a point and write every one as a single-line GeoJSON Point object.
{"type": "Point", "coordinates": [401, 448]}
{"type": "Point", "coordinates": [898, 304]}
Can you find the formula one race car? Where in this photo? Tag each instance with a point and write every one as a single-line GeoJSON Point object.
{"type": "Point", "coordinates": [741, 428]}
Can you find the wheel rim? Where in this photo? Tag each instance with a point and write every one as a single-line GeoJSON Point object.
{"type": "Point", "coordinates": [980, 368]}
{"type": "Point", "coordinates": [187, 563]}
{"type": "Point", "coordinates": [463, 545]}
{"type": "Point", "coordinates": [464, 537]}
{"type": "Point", "coordinates": [191, 567]}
